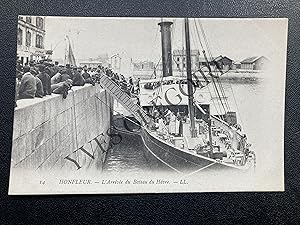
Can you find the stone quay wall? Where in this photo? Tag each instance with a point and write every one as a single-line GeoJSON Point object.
{"type": "Point", "coordinates": [57, 133]}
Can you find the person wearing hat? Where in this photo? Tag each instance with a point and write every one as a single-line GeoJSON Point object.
{"type": "Point", "coordinates": [57, 77]}
{"type": "Point", "coordinates": [39, 86]}
{"type": "Point", "coordinates": [85, 74]}
{"type": "Point", "coordinates": [77, 78]}
{"type": "Point", "coordinates": [19, 69]}
{"type": "Point", "coordinates": [62, 87]}
{"type": "Point", "coordinates": [69, 71]}
{"type": "Point", "coordinates": [27, 87]}
{"type": "Point", "coordinates": [64, 75]}
{"type": "Point", "coordinates": [46, 80]}
{"type": "Point", "coordinates": [48, 68]}
{"type": "Point", "coordinates": [19, 65]}
{"type": "Point", "coordinates": [18, 82]}
{"type": "Point", "coordinates": [87, 77]}
{"type": "Point", "coordinates": [55, 68]}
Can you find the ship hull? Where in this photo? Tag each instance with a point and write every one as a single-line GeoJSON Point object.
{"type": "Point", "coordinates": [164, 156]}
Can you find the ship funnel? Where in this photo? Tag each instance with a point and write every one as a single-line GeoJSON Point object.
{"type": "Point", "coordinates": [165, 29]}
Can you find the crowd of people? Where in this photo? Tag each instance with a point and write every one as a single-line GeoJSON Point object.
{"type": "Point", "coordinates": [39, 79]}
{"type": "Point", "coordinates": [127, 86]}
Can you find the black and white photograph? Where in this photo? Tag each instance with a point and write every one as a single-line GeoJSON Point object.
{"type": "Point", "coordinates": [148, 105]}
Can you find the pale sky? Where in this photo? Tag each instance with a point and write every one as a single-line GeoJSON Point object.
{"type": "Point", "coordinates": [139, 38]}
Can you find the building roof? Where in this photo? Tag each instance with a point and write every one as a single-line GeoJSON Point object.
{"type": "Point", "coordinates": [202, 59]}
{"type": "Point", "coordinates": [220, 57]}
{"type": "Point", "coordinates": [251, 59]}
{"type": "Point", "coordinates": [90, 62]}
{"type": "Point", "coordinates": [182, 52]}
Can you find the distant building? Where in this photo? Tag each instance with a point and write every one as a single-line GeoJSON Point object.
{"type": "Point", "coordinates": [236, 65]}
{"type": "Point", "coordinates": [147, 69]}
{"type": "Point", "coordinates": [179, 60]}
{"type": "Point", "coordinates": [143, 65]}
{"type": "Point", "coordinates": [101, 60]}
{"type": "Point", "coordinates": [144, 70]}
{"type": "Point", "coordinates": [223, 62]}
{"type": "Point", "coordinates": [30, 39]}
{"type": "Point", "coordinates": [90, 63]}
{"type": "Point", "coordinates": [115, 62]}
{"type": "Point", "coordinates": [254, 63]}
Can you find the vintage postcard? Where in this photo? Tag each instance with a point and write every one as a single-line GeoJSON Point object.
{"type": "Point", "coordinates": [148, 105]}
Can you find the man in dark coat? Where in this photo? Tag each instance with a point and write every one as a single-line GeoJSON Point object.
{"type": "Point", "coordinates": [48, 68]}
{"type": "Point", "coordinates": [27, 87]}
{"type": "Point", "coordinates": [39, 86]}
{"type": "Point", "coordinates": [56, 78]}
{"type": "Point", "coordinates": [46, 80]}
{"type": "Point", "coordinates": [69, 71]}
{"type": "Point", "coordinates": [62, 87]}
{"type": "Point", "coordinates": [85, 74]}
{"type": "Point", "coordinates": [55, 68]}
{"type": "Point", "coordinates": [77, 78]}
{"type": "Point", "coordinates": [19, 66]}
{"type": "Point", "coordinates": [64, 75]}
{"type": "Point", "coordinates": [87, 77]}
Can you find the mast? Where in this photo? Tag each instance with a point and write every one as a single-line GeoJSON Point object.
{"type": "Point", "coordinates": [70, 57]}
{"type": "Point", "coordinates": [165, 29]}
{"type": "Point", "coordinates": [189, 79]}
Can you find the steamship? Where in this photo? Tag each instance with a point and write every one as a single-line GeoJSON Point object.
{"type": "Point", "coordinates": [200, 138]}
{"type": "Point", "coordinates": [182, 132]}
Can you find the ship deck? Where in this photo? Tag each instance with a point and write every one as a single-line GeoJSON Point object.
{"type": "Point", "coordinates": [220, 141]}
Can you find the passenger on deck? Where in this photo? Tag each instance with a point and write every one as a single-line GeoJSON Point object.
{"type": "Point", "coordinates": [123, 85]}
{"type": "Point", "coordinates": [168, 114]}
{"type": "Point", "coordinates": [202, 127]}
{"type": "Point", "coordinates": [161, 127]}
{"type": "Point", "coordinates": [130, 81]}
{"type": "Point", "coordinates": [180, 126]}
{"type": "Point", "coordinates": [131, 86]}
{"type": "Point", "coordinates": [173, 125]}
{"type": "Point", "coordinates": [138, 85]}
{"type": "Point", "coordinates": [116, 78]}
{"type": "Point", "coordinates": [243, 143]}
{"type": "Point", "coordinates": [155, 115]}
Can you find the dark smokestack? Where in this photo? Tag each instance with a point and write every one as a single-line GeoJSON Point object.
{"type": "Point", "coordinates": [165, 29]}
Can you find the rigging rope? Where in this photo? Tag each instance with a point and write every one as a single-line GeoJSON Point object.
{"type": "Point", "coordinates": [211, 59]}
{"type": "Point", "coordinates": [236, 106]}
{"type": "Point", "coordinates": [182, 42]}
{"type": "Point", "coordinates": [203, 51]}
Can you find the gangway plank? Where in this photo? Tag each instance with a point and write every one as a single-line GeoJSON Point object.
{"type": "Point", "coordinates": [124, 99]}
